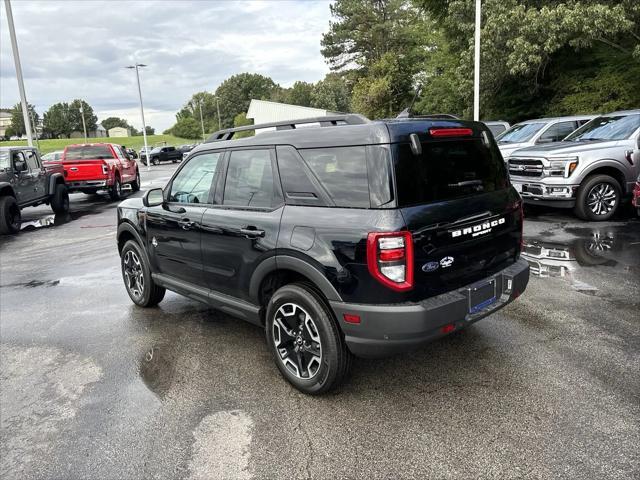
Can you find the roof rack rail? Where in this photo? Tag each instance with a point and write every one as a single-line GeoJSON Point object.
{"type": "Point", "coordinates": [445, 116]}
{"type": "Point", "coordinates": [327, 121]}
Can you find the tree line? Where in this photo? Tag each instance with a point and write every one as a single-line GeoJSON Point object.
{"type": "Point", "coordinates": [62, 119]}
{"type": "Point", "coordinates": [538, 58]}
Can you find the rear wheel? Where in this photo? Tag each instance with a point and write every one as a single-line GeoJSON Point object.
{"type": "Point", "coordinates": [135, 185]}
{"type": "Point", "coordinates": [305, 341]}
{"type": "Point", "coordinates": [155, 160]}
{"type": "Point", "coordinates": [10, 217]}
{"type": "Point", "coordinates": [598, 198]}
{"type": "Point", "coordinates": [115, 192]}
{"type": "Point", "coordinates": [137, 277]}
{"type": "Point", "coordinates": [60, 199]}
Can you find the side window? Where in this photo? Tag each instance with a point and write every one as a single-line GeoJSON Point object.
{"type": "Point", "coordinates": [557, 132]}
{"type": "Point", "coordinates": [343, 173]}
{"type": "Point", "coordinates": [380, 178]}
{"type": "Point", "coordinates": [249, 180]}
{"type": "Point", "coordinates": [298, 188]}
{"type": "Point", "coordinates": [119, 153]}
{"type": "Point", "coordinates": [18, 158]}
{"type": "Point", "coordinates": [32, 160]}
{"type": "Point", "coordinates": [194, 182]}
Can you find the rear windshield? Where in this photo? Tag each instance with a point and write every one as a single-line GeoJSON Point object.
{"type": "Point", "coordinates": [88, 152]}
{"type": "Point", "coordinates": [447, 170]}
{"type": "Point", "coordinates": [619, 127]}
{"type": "Point", "coordinates": [523, 132]}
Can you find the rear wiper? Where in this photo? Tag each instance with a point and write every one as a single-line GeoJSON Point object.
{"type": "Point", "coordinates": [466, 183]}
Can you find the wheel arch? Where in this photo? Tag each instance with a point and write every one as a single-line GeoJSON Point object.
{"type": "Point", "coordinates": [6, 189]}
{"type": "Point", "coordinates": [55, 179]}
{"type": "Point", "coordinates": [127, 232]}
{"type": "Point", "coordinates": [611, 169]}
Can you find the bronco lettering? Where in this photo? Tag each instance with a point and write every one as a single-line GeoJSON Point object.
{"type": "Point", "coordinates": [479, 229]}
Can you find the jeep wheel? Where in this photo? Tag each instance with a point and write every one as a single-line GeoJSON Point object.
{"type": "Point", "coordinates": [305, 341]}
{"type": "Point", "coordinates": [137, 277]}
{"type": "Point", "coordinates": [135, 185]}
{"type": "Point", "coordinates": [115, 192]}
{"type": "Point", "coordinates": [60, 199]}
{"type": "Point", "coordinates": [598, 198]}
{"type": "Point", "coordinates": [10, 217]}
{"type": "Point", "coordinates": [155, 160]}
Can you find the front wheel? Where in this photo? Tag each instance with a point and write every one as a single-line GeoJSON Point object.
{"type": "Point", "coordinates": [137, 277]}
{"type": "Point", "coordinates": [60, 199]}
{"type": "Point", "coordinates": [10, 216]}
{"type": "Point", "coordinates": [305, 341]}
{"type": "Point", "coordinates": [598, 198]}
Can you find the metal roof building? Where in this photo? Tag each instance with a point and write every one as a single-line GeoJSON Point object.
{"type": "Point", "coordinates": [263, 111]}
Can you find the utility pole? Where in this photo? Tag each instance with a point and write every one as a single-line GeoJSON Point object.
{"type": "Point", "coordinates": [476, 63]}
{"type": "Point", "coordinates": [201, 120]}
{"type": "Point", "coordinates": [16, 61]}
{"type": "Point", "coordinates": [144, 125]}
{"type": "Point", "coordinates": [84, 125]}
{"type": "Point", "coordinates": [218, 108]}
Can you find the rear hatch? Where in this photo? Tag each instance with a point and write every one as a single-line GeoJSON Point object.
{"type": "Point", "coordinates": [86, 162]}
{"type": "Point", "coordinates": [457, 202]}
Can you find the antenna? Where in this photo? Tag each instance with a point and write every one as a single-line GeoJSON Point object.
{"type": "Point", "coordinates": [406, 113]}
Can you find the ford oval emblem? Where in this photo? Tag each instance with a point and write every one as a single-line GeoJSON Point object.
{"type": "Point", "coordinates": [430, 267]}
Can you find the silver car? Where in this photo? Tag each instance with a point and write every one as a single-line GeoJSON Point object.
{"type": "Point", "coordinates": [590, 171]}
{"type": "Point", "coordinates": [538, 131]}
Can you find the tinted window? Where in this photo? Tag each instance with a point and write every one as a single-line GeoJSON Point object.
{"type": "Point", "coordinates": [298, 188]}
{"type": "Point", "coordinates": [249, 180]}
{"type": "Point", "coordinates": [497, 129]}
{"type": "Point", "coordinates": [608, 128]}
{"type": "Point", "coordinates": [522, 132]}
{"type": "Point", "coordinates": [342, 172]}
{"type": "Point", "coordinates": [194, 182]}
{"type": "Point", "coordinates": [447, 170]}
{"type": "Point", "coordinates": [88, 152]}
{"type": "Point", "coordinates": [557, 132]}
{"type": "Point", "coordinates": [380, 179]}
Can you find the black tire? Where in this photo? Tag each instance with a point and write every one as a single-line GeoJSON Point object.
{"type": "Point", "coordinates": [60, 199]}
{"type": "Point", "coordinates": [10, 216]}
{"type": "Point", "coordinates": [174, 160]}
{"type": "Point", "coordinates": [135, 185]}
{"type": "Point", "coordinates": [605, 191]}
{"type": "Point", "coordinates": [148, 294]}
{"type": "Point", "coordinates": [115, 192]}
{"type": "Point", "coordinates": [331, 366]}
{"type": "Point", "coordinates": [155, 161]}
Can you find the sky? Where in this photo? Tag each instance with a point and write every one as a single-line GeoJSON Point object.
{"type": "Point", "coordinates": [78, 49]}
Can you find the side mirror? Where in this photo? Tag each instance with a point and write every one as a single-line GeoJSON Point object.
{"type": "Point", "coordinates": [20, 166]}
{"type": "Point", "coordinates": [153, 198]}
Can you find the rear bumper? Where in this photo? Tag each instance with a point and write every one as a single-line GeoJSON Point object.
{"type": "Point", "coordinates": [390, 329]}
{"type": "Point", "coordinates": [79, 184]}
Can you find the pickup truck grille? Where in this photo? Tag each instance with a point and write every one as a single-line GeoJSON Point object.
{"type": "Point", "coordinates": [525, 167]}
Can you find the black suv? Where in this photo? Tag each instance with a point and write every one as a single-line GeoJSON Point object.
{"type": "Point", "coordinates": [345, 237]}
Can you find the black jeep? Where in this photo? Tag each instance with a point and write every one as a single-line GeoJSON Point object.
{"type": "Point", "coordinates": [26, 182]}
{"type": "Point", "coordinates": [345, 237]}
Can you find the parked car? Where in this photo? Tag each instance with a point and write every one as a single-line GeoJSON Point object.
{"type": "Point", "coordinates": [636, 195]}
{"type": "Point", "coordinates": [162, 154]}
{"type": "Point", "coordinates": [94, 167]}
{"type": "Point", "coordinates": [538, 131]}
{"type": "Point", "coordinates": [186, 148]}
{"type": "Point", "coordinates": [26, 182]}
{"type": "Point", "coordinates": [350, 237]}
{"type": "Point", "coordinates": [130, 152]}
{"type": "Point", "coordinates": [52, 156]}
{"type": "Point", "coordinates": [590, 171]}
{"type": "Point", "coordinates": [497, 127]}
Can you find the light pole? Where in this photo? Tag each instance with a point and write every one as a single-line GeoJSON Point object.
{"type": "Point", "coordinates": [84, 125]}
{"type": "Point", "coordinates": [476, 63]}
{"type": "Point", "coordinates": [201, 120]}
{"type": "Point", "coordinates": [218, 109]}
{"type": "Point", "coordinates": [144, 125]}
{"type": "Point", "coordinates": [35, 129]}
{"type": "Point", "coordinates": [16, 61]}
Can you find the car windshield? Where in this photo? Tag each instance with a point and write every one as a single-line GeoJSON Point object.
{"type": "Point", "coordinates": [51, 156]}
{"type": "Point", "coordinates": [619, 127]}
{"type": "Point", "coordinates": [88, 152]}
{"type": "Point", "coordinates": [522, 132]}
{"type": "Point", "coordinates": [4, 160]}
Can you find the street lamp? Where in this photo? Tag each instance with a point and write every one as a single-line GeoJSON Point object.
{"type": "Point", "coordinates": [144, 125]}
{"type": "Point", "coordinates": [201, 120]}
{"type": "Point", "coordinates": [476, 63]}
{"type": "Point", "coordinates": [218, 109]}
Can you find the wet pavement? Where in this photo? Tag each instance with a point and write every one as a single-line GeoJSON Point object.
{"type": "Point", "coordinates": [93, 387]}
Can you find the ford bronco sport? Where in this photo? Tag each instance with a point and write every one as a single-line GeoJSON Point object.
{"type": "Point", "coordinates": [348, 237]}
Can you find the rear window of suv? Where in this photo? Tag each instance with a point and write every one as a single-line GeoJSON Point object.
{"type": "Point", "coordinates": [88, 152]}
{"type": "Point", "coordinates": [447, 170]}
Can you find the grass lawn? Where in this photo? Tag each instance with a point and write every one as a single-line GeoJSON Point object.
{"type": "Point", "coordinates": [47, 146]}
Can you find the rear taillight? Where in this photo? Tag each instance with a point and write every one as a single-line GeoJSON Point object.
{"type": "Point", "coordinates": [105, 169]}
{"type": "Point", "coordinates": [450, 132]}
{"type": "Point", "coordinates": [390, 259]}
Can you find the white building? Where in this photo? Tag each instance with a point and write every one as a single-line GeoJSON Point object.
{"type": "Point", "coordinates": [119, 132]}
{"type": "Point", "coordinates": [263, 111]}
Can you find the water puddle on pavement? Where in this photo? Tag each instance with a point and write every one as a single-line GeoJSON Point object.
{"type": "Point", "coordinates": [157, 370]}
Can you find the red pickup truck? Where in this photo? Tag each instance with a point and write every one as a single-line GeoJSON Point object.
{"type": "Point", "coordinates": [99, 166]}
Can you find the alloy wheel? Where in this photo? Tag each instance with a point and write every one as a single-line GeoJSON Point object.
{"type": "Point", "coordinates": [297, 341]}
{"type": "Point", "coordinates": [602, 198]}
{"type": "Point", "coordinates": [133, 274]}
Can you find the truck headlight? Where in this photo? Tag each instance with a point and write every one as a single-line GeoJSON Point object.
{"type": "Point", "coordinates": [562, 166]}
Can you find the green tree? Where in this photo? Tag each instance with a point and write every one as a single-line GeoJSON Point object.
{"type": "Point", "coordinates": [187, 127]}
{"type": "Point", "coordinates": [191, 109]}
{"type": "Point", "coordinates": [240, 121]}
{"type": "Point", "coordinates": [17, 120]}
{"type": "Point", "coordinates": [56, 120]}
{"type": "Point", "coordinates": [150, 130]}
{"type": "Point", "coordinates": [75, 116]}
{"type": "Point", "coordinates": [300, 94]}
{"type": "Point", "coordinates": [236, 92]}
{"type": "Point", "coordinates": [331, 93]}
{"type": "Point", "coordinates": [112, 122]}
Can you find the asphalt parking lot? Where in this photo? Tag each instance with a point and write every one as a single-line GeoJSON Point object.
{"type": "Point", "coordinates": [93, 387]}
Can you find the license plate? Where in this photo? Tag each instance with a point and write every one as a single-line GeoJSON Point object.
{"type": "Point", "coordinates": [481, 296]}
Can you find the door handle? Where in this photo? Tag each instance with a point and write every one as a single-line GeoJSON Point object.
{"type": "Point", "coordinates": [186, 224]}
{"type": "Point", "coordinates": [252, 232]}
